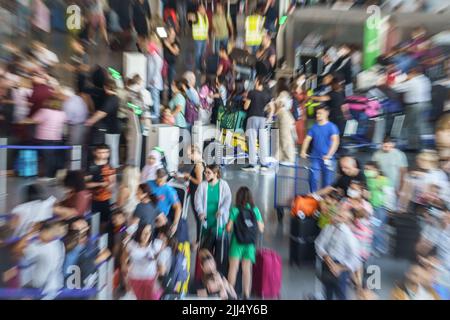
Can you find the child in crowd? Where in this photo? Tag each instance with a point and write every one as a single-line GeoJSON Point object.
{"type": "Point", "coordinates": [328, 208]}
{"type": "Point", "coordinates": [102, 180]}
{"type": "Point", "coordinates": [378, 186]}
{"type": "Point", "coordinates": [167, 117]}
{"type": "Point", "coordinates": [154, 162]}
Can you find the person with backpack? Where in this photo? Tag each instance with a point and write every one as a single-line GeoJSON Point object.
{"type": "Point", "coordinates": [245, 223]}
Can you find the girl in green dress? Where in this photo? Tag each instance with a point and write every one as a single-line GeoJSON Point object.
{"type": "Point", "coordinates": [243, 252]}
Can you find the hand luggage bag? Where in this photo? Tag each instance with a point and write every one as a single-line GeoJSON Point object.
{"type": "Point", "coordinates": [267, 274]}
{"type": "Point", "coordinates": [303, 233]}
{"type": "Point", "coordinates": [27, 163]}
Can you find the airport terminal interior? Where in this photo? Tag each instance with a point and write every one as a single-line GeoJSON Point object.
{"type": "Point", "coordinates": [339, 131]}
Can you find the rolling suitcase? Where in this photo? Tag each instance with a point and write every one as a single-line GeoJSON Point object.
{"type": "Point", "coordinates": [301, 243]}
{"type": "Point", "coordinates": [27, 163]}
{"type": "Point", "coordinates": [267, 274]}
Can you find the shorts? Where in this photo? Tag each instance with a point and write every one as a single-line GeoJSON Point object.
{"type": "Point", "coordinates": [104, 208]}
{"type": "Point", "coordinates": [242, 251]}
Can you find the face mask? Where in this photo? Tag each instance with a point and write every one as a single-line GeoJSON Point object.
{"type": "Point", "coordinates": [352, 193]}
{"type": "Point", "coordinates": [370, 174]}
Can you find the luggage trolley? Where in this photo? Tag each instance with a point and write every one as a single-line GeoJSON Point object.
{"type": "Point", "coordinates": [290, 181]}
{"type": "Point", "coordinates": [230, 143]}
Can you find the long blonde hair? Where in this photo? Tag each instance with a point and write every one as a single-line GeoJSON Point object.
{"type": "Point", "coordinates": [131, 179]}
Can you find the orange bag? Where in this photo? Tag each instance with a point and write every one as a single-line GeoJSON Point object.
{"type": "Point", "coordinates": [307, 205]}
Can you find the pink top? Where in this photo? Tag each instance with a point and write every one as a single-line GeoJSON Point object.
{"type": "Point", "coordinates": [50, 124]}
{"type": "Point", "coordinates": [41, 16]}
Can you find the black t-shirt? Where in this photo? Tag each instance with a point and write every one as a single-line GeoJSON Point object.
{"type": "Point", "coordinates": [97, 95]}
{"type": "Point", "coordinates": [169, 56]}
{"type": "Point", "coordinates": [147, 213]}
{"type": "Point", "coordinates": [111, 121]}
{"type": "Point", "coordinates": [271, 15]}
{"type": "Point", "coordinates": [259, 100]}
{"type": "Point", "coordinates": [337, 99]}
{"type": "Point", "coordinates": [344, 181]}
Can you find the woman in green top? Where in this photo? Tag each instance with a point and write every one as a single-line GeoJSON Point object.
{"type": "Point", "coordinates": [212, 202]}
{"type": "Point", "coordinates": [377, 185]}
{"type": "Point", "coordinates": [243, 252]}
{"type": "Point", "coordinates": [178, 104]}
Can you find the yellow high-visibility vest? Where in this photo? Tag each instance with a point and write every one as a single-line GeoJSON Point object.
{"type": "Point", "coordinates": [201, 28]}
{"type": "Point", "coordinates": [254, 27]}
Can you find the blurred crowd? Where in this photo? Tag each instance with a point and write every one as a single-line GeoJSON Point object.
{"type": "Point", "coordinates": [142, 205]}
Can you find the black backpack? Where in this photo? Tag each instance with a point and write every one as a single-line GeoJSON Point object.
{"type": "Point", "coordinates": [246, 227]}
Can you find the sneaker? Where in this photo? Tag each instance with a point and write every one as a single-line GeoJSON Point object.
{"type": "Point", "coordinates": [264, 168]}
{"type": "Point", "coordinates": [249, 169]}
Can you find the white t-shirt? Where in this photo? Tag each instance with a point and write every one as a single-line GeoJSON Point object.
{"type": "Point", "coordinates": [31, 213]}
{"type": "Point", "coordinates": [165, 258]}
{"type": "Point", "coordinates": [20, 97]}
{"type": "Point", "coordinates": [47, 265]}
{"type": "Point", "coordinates": [143, 260]}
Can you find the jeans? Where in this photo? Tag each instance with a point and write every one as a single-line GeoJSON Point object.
{"type": "Point", "coordinates": [349, 89]}
{"type": "Point", "coordinates": [156, 97]}
{"type": "Point", "coordinates": [338, 289]}
{"type": "Point", "coordinates": [253, 49]}
{"type": "Point", "coordinates": [219, 44]}
{"type": "Point", "coordinates": [256, 131]}
{"type": "Point", "coordinates": [320, 170]}
{"type": "Point", "coordinates": [200, 48]}
{"type": "Point", "coordinates": [112, 140]}
{"type": "Point", "coordinates": [416, 124]}
{"type": "Point", "coordinates": [379, 236]}
{"type": "Point", "coordinates": [53, 159]}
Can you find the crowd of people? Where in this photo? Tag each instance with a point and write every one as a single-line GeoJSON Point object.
{"type": "Point", "coordinates": [141, 209]}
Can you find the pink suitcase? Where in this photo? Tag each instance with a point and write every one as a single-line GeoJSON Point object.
{"type": "Point", "coordinates": [267, 274]}
{"type": "Point", "coordinates": [371, 108]}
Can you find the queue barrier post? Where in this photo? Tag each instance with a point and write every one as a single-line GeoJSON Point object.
{"type": "Point", "coordinates": [75, 158]}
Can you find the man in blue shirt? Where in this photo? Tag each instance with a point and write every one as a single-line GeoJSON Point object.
{"type": "Point", "coordinates": [324, 136]}
{"type": "Point", "coordinates": [168, 202]}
